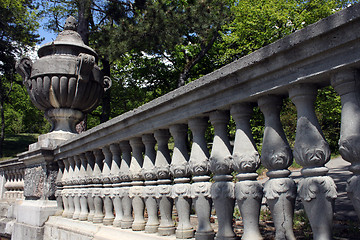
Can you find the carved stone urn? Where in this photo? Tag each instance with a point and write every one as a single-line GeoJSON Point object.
{"type": "Point", "coordinates": [65, 81]}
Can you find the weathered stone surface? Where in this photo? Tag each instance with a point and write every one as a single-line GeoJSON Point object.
{"type": "Point", "coordinates": [40, 181]}
{"type": "Point", "coordinates": [24, 231]}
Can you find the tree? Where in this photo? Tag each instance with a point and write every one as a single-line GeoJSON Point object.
{"type": "Point", "coordinates": [17, 32]}
{"type": "Point", "coordinates": [259, 23]}
{"type": "Point", "coordinates": [182, 32]}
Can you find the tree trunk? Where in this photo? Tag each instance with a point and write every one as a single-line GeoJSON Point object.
{"type": "Point", "coordinates": [106, 109]}
{"type": "Point", "coordinates": [2, 116]}
{"type": "Point", "coordinates": [84, 14]}
{"type": "Point", "coordinates": [184, 75]}
{"type": "Point", "coordinates": [2, 134]}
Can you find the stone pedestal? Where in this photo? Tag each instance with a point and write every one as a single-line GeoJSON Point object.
{"type": "Point", "coordinates": [39, 187]}
{"type": "Point", "coordinates": [31, 216]}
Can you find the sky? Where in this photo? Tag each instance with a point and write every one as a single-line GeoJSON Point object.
{"type": "Point", "coordinates": [49, 36]}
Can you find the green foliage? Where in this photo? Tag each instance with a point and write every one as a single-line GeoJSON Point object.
{"type": "Point", "coordinates": [259, 23]}
{"type": "Point", "coordinates": [328, 109]}
{"type": "Point", "coordinates": [21, 115]}
{"type": "Point", "coordinates": [18, 25]}
{"type": "Point", "coordinates": [288, 118]}
{"type": "Point", "coordinates": [301, 222]}
{"type": "Point", "coordinates": [16, 143]}
{"type": "Point", "coordinates": [17, 31]}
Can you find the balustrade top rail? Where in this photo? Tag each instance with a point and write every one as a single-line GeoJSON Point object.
{"type": "Point", "coordinates": [308, 55]}
{"type": "Point", "coordinates": [11, 164]}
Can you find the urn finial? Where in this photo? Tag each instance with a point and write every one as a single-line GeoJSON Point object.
{"type": "Point", "coordinates": [70, 24]}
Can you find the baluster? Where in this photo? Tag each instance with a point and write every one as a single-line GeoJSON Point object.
{"type": "Point", "coordinates": [127, 220]}
{"type": "Point", "coordinates": [76, 182]}
{"type": "Point", "coordinates": [149, 190]}
{"type": "Point", "coordinates": [115, 179]}
{"type": "Point", "coordinates": [280, 190]}
{"type": "Point", "coordinates": [84, 212]}
{"type": "Point", "coordinates": [17, 183]}
{"type": "Point", "coordinates": [248, 191]}
{"type": "Point", "coordinates": [107, 190]}
{"type": "Point", "coordinates": [13, 183]}
{"type": "Point", "coordinates": [97, 181]}
{"type": "Point", "coordinates": [346, 84]}
{"type": "Point", "coordinates": [137, 184]}
{"type": "Point", "coordinates": [22, 172]}
{"type": "Point", "coordinates": [163, 193]}
{"type": "Point", "coordinates": [9, 184]}
{"type": "Point", "coordinates": [59, 188]}
{"type": "Point", "coordinates": [65, 192]}
{"type": "Point", "coordinates": [317, 191]}
{"type": "Point", "coordinates": [89, 181]}
{"type": "Point", "coordinates": [71, 182]}
{"type": "Point", "coordinates": [200, 189]}
{"type": "Point", "coordinates": [6, 185]}
{"type": "Point", "coordinates": [181, 190]}
{"type": "Point", "coordinates": [222, 191]}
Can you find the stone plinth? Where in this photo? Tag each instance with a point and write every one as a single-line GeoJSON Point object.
{"type": "Point", "coordinates": [39, 187]}
{"type": "Point", "coordinates": [67, 229]}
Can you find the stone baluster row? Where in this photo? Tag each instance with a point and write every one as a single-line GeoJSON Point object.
{"type": "Point", "coordinates": [114, 184]}
{"type": "Point", "coordinates": [14, 184]}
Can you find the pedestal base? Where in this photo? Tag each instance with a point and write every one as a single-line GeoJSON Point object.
{"type": "Point", "coordinates": [30, 218]}
{"type": "Point", "coordinates": [151, 228]}
{"type": "Point", "coordinates": [205, 235]}
{"type": "Point", "coordinates": [166, 231]}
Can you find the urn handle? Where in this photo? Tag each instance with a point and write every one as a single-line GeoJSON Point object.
{"type": "Point", "coordinates": [23, 67]}
{"type": "Point", "coordinates": [84, 65]}
{"type": "Point", "coordinates": [107, 83]}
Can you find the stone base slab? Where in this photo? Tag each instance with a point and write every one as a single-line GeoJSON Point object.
{"type": "Point", "coordinates": [25, 232]}
{"type": "Point", "coordinates": [7, 225]}
{"type": "Point", "coordinates": [58, 228]}
{"type": "Point", "coordinates": [35, 212]}
{"type": "Point", "coordinates": [51, 140]}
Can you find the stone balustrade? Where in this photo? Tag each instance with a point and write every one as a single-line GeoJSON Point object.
{"type": "Point", "coordinates": [122, 173]}
{"type": "Point", "coordinates": [13, 179]}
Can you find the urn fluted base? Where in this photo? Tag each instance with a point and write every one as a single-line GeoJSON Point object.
{"type": "Point", "coordinates": [64, 119]}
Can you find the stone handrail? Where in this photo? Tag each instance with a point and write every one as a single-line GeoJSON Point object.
{"type": "Point", "coordinates": [111, 173]}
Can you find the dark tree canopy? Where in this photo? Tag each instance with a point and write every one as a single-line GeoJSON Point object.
{"type": "Point", "coordinates": [17, 32]}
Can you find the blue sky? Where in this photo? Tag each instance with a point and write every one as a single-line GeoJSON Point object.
{"type": "Point", "coordinates": [49, 36]}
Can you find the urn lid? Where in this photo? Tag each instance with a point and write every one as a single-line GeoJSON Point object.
{"type": "Point", "coordinates": [67, 42]}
